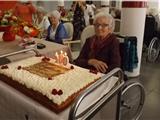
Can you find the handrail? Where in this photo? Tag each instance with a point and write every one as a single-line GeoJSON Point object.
{"type": "Point", "coordinates": [86, 113]}
{"type": "Point", "coordinates": [21, 51]}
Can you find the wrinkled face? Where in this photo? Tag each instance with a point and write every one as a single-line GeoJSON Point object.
{"type": "Point", "coordinates": [102, 27]}
{"type": "Point", "coordinates": [54, 21]}
{"type": "Point", "coordinates": [40, 14]}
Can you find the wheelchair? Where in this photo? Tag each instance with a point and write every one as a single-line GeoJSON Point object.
{"type": "Point", "coordinates": [154, 49]}
{"type": "Point", "coordinates": [132, 104]}
{"type": "Point", "coordinates": [151, 39]}
{"type": "Point", "coordinates": [129, 105]}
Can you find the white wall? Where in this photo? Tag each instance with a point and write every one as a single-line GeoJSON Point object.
{"type": "Point", "coordinates": [153, 3]}
{"type": "Point", "coordinates": [52, 5]}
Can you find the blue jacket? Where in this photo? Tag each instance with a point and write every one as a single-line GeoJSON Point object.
{"type": "Point", "coordinates": [61, 33]}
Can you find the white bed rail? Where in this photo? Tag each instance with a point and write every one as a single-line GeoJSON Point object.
{"type": "Point", "coordinates": [21, 51]}
{"type": "Point", "coordinates": [92, 109]}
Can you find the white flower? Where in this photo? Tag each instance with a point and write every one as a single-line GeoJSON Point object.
{"type": "Point", "coordinates": [4, 20]}
{"type": "Point", "coordinates": [14, 17]}
{"type": "Point", "coordinates": [8, 15]}
{"type": "Point", "coordinates": [30, 30]}
{"type": "Point", "coordinates": [26, 29]}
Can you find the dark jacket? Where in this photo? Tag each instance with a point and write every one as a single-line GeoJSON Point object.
{"type": "Point", "coordinates": [109, 53]}
{"type": "Point", "coordinates": [61, 33]}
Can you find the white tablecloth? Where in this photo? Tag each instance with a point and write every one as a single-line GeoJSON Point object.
{"type": "Point", "coordinates": [51, 48]}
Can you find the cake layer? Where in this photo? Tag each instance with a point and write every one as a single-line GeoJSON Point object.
{"type": "Point", "coordinates": [54, 91]}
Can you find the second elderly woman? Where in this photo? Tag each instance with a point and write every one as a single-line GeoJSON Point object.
{"type": "Point", "coordinates": [101, 51]}
{"type": "Point", "coordinates": [56, 31]}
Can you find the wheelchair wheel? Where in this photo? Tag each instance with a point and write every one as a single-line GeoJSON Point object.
{"type": "Point", "coordinates": [132, 101]}
{"type": "Point", "coordinates": [153, 49]}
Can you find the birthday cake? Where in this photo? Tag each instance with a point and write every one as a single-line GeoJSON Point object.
{"type": "Point", "coordinates": [53, 85]}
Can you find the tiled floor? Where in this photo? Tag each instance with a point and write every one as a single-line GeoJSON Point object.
{"type": "Point", "coordinates": [150, 78]}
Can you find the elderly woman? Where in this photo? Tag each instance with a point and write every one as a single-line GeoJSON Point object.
{"type": "Point", "coordinates": [41, 21]}
{"type": "Point", "coordinates": [56, 31]}
{"type": "Point", "coordinates": [101, 51]}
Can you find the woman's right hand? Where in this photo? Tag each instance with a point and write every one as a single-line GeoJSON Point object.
{"type": "Point", "coordinates": [99, 65]}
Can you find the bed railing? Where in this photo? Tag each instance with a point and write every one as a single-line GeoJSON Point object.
{"type": "Point", "coordinates": [21, 51]}
{"type": "Point", "coordinates": [96, 106]}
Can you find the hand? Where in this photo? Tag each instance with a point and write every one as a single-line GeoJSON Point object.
{"type": "Point", "coordinates": [99, 65]}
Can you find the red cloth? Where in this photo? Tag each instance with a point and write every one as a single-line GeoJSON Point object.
{"type": "Point", "coordinates": [24, 11]}
{"type": "Point", "coordinates": [6, 5]}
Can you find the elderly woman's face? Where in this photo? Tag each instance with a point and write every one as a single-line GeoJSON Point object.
{"type": "Point", "coordinates": [102, 27]}
{"type": "Point", "coordinates": [53, 20]}
{"type": "Point", "coordinates": [40, 14]}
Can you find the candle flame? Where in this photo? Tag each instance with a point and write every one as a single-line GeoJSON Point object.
{"type": "Point", "coordinates": [56, 54]}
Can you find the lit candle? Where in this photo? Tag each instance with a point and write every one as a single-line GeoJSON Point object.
{"type": "Point", "coordinates": [61, 56]}
{"type": "Point", "coordinates": [57, 57]}
{"type": "Point", "coordinates": [65, 59]}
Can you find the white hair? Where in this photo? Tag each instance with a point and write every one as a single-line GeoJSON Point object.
{"type": "Point", "coordinates": [107, 16]}
{"type": "Point", "coordinates": [55, 14]}
{"type": "Point", "coordinates": [41, 9]}
{"type": "Point", "coordinates": [24, 1]}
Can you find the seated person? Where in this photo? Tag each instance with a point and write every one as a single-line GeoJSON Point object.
{"type": "Point", "coordinates": [101, 51]}
{"type": "Point", "coordinates": [89, 12]}
{"type": "Point", "coordinates": [56, 31]}
{"type": "Point", "coordinates": [41, 21]}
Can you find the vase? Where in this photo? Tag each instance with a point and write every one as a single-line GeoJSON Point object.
{"type": "Point", "coordinates": [4, 28]}
{"type": "Point", "coordinates": [8, 36]}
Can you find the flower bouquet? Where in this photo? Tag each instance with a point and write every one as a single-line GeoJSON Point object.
{"type": "Point", "coordinates": [26, 31]}
{"type": "Point", "coordinates": [16, 26]}
{"type": "Point", "coordinates": [7, 19]}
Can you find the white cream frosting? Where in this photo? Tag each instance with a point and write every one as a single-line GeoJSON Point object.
{"type": "Point", "coordinates": [70, 82]}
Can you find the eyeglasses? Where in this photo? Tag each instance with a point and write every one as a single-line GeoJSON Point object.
{"type": "Point", "coordinates": [101, 25]}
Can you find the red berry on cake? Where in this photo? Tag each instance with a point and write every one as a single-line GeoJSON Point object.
{"type": "Point", "coordinates": [72, 67]}
{"type": "Point", "coordinates": [4, 67]}
{"type": "Point", "coordinates": [49, 78]}
{"type": "Point", "coordinates": [60, 92]}
{"type": "Point", "coordinates": [38, 55]}
{"type": "Point", "coordinates": [19, 67]}
{"type": "Point", "coordinates": [48, 59]}
{"type": "Point", "coordinates": [93, 71]}
{"type": "Point", "coordinates": [54, 92]}
{"type": "Point", "coordinates": [45, 59]}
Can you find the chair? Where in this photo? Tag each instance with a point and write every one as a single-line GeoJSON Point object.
{"type": "Point", "coordinates": [69, 28]}
{"type": "Point", "coordinates": [86, 33]}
